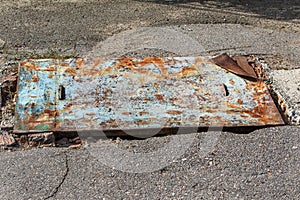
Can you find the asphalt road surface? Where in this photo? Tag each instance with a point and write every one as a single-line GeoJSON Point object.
{"type": "Point", "coordinates": [263, 164]}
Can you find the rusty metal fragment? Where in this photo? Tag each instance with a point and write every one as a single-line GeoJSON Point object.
{"type": "Point", "coordinates": [129, 93]}
{"type": "Point", "coordinates": [243, 63]}
{"type": "Point", "coordinates": [240, 67]}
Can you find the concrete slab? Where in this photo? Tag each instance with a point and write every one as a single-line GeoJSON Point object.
{"type": "Point", "coordinates": [287, 84]}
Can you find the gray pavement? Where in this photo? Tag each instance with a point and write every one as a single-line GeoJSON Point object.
{"type": "Point", "coordinates": [31, 174]}
{"type": "Point", "coordinates": [213, 39]}
{"type": "Point", "coordinates": [68, 24]}
{"type": "Point", "coordinates": [263, 164]}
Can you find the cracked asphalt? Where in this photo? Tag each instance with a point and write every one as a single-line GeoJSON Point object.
{"type": "Point", "coordinates": [263, 164]}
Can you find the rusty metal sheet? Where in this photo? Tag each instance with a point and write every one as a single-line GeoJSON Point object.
{"type": "Point", "coordinates": [129, 93]}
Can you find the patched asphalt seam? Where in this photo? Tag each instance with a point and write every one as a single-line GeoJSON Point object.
{"type": "Point", "coordinates": [62, 180]}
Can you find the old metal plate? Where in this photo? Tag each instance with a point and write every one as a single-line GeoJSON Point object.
{"type": "Point", "coordinates": [125, 93]}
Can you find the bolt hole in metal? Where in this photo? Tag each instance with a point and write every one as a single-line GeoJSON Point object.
{"type": "Point", "coordinates": [62, 92]}
{"type": "Point", "coordinates": [226, 90]}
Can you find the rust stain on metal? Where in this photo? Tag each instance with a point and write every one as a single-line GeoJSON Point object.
{"type": "Point", "coordinates": [71, 71]}
{"type": "Point", "coordinates": [129, 93]}
{"type": "Point", "coordinates": [174, 112]}
{"type": "Point", "coordinates": [159, 97]}
{"type": "Point", "coordinates": [239, 101]}
{"type": "Point", "coordinates": [35, 79]}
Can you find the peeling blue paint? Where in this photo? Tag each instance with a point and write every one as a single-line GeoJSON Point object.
{"type": "Point", "coordinates": [137, 94]}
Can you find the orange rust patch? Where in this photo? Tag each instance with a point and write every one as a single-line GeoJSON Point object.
{"type": "Point", "coordinates": [153, 60]}
{"type": "Point", "coordinates": [51, 113]}
{"type": "Point", "coordinates": [231, 82]}
{"type": "Point", "coordinates": [137, 66]}
{"type": "Point", "coordinates": [126, 113]}
{"type": "Point", "coordinates": [125, 62]}
{"type": "Point", "coordinates": [240, 101]}
{"type": "Point", "coordinates": [79, 62]}
{"type": "Point", "coordinates": [90, 114]}
{"type": "Point", "coordinates": [245, 116]}
{"type": "Point", "coordinates": [144, 113]}
{"type": "Point", "coordinates": [51, 69]}
{"type": "Point", "coordinates": [35, 79]}
{"type": "Point", "coordinates": [188, 70]}
{"type": "Point", "coordinates": [44, 117]}
{"type": "Point", "coordinates": [232, 106]}
{"type": "Point", "coordinates": [141, 122]}
{"type": "Point", "coordinates": [231, 112]}
{"type": "Point", "coordinates": [159, 97]}
{"type": "Point", "coordinates": [30, 66]}
{"type": "Point", "coordinates": [255, 113]}
{"type": "Point", "coordinates": [64, 64]}
{"type": "Point", "coordinates": [144, 62]}
{"type": "Point", "coordinates": [174, 112]}
{"type": "Point", "coordinates": [71, 71]}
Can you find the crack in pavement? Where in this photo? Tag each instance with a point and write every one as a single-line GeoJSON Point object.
{"type": "Point", "coordinates": [52, 194]}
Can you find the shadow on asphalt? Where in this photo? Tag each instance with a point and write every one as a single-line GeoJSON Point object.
{"type": "Point", "coordinates": [269, 9]}
{"type": "Point", "coordinates": [96, 135]}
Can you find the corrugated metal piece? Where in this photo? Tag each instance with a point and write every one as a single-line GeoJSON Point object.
{"type": "Point", "coordinates": [125, 93]}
